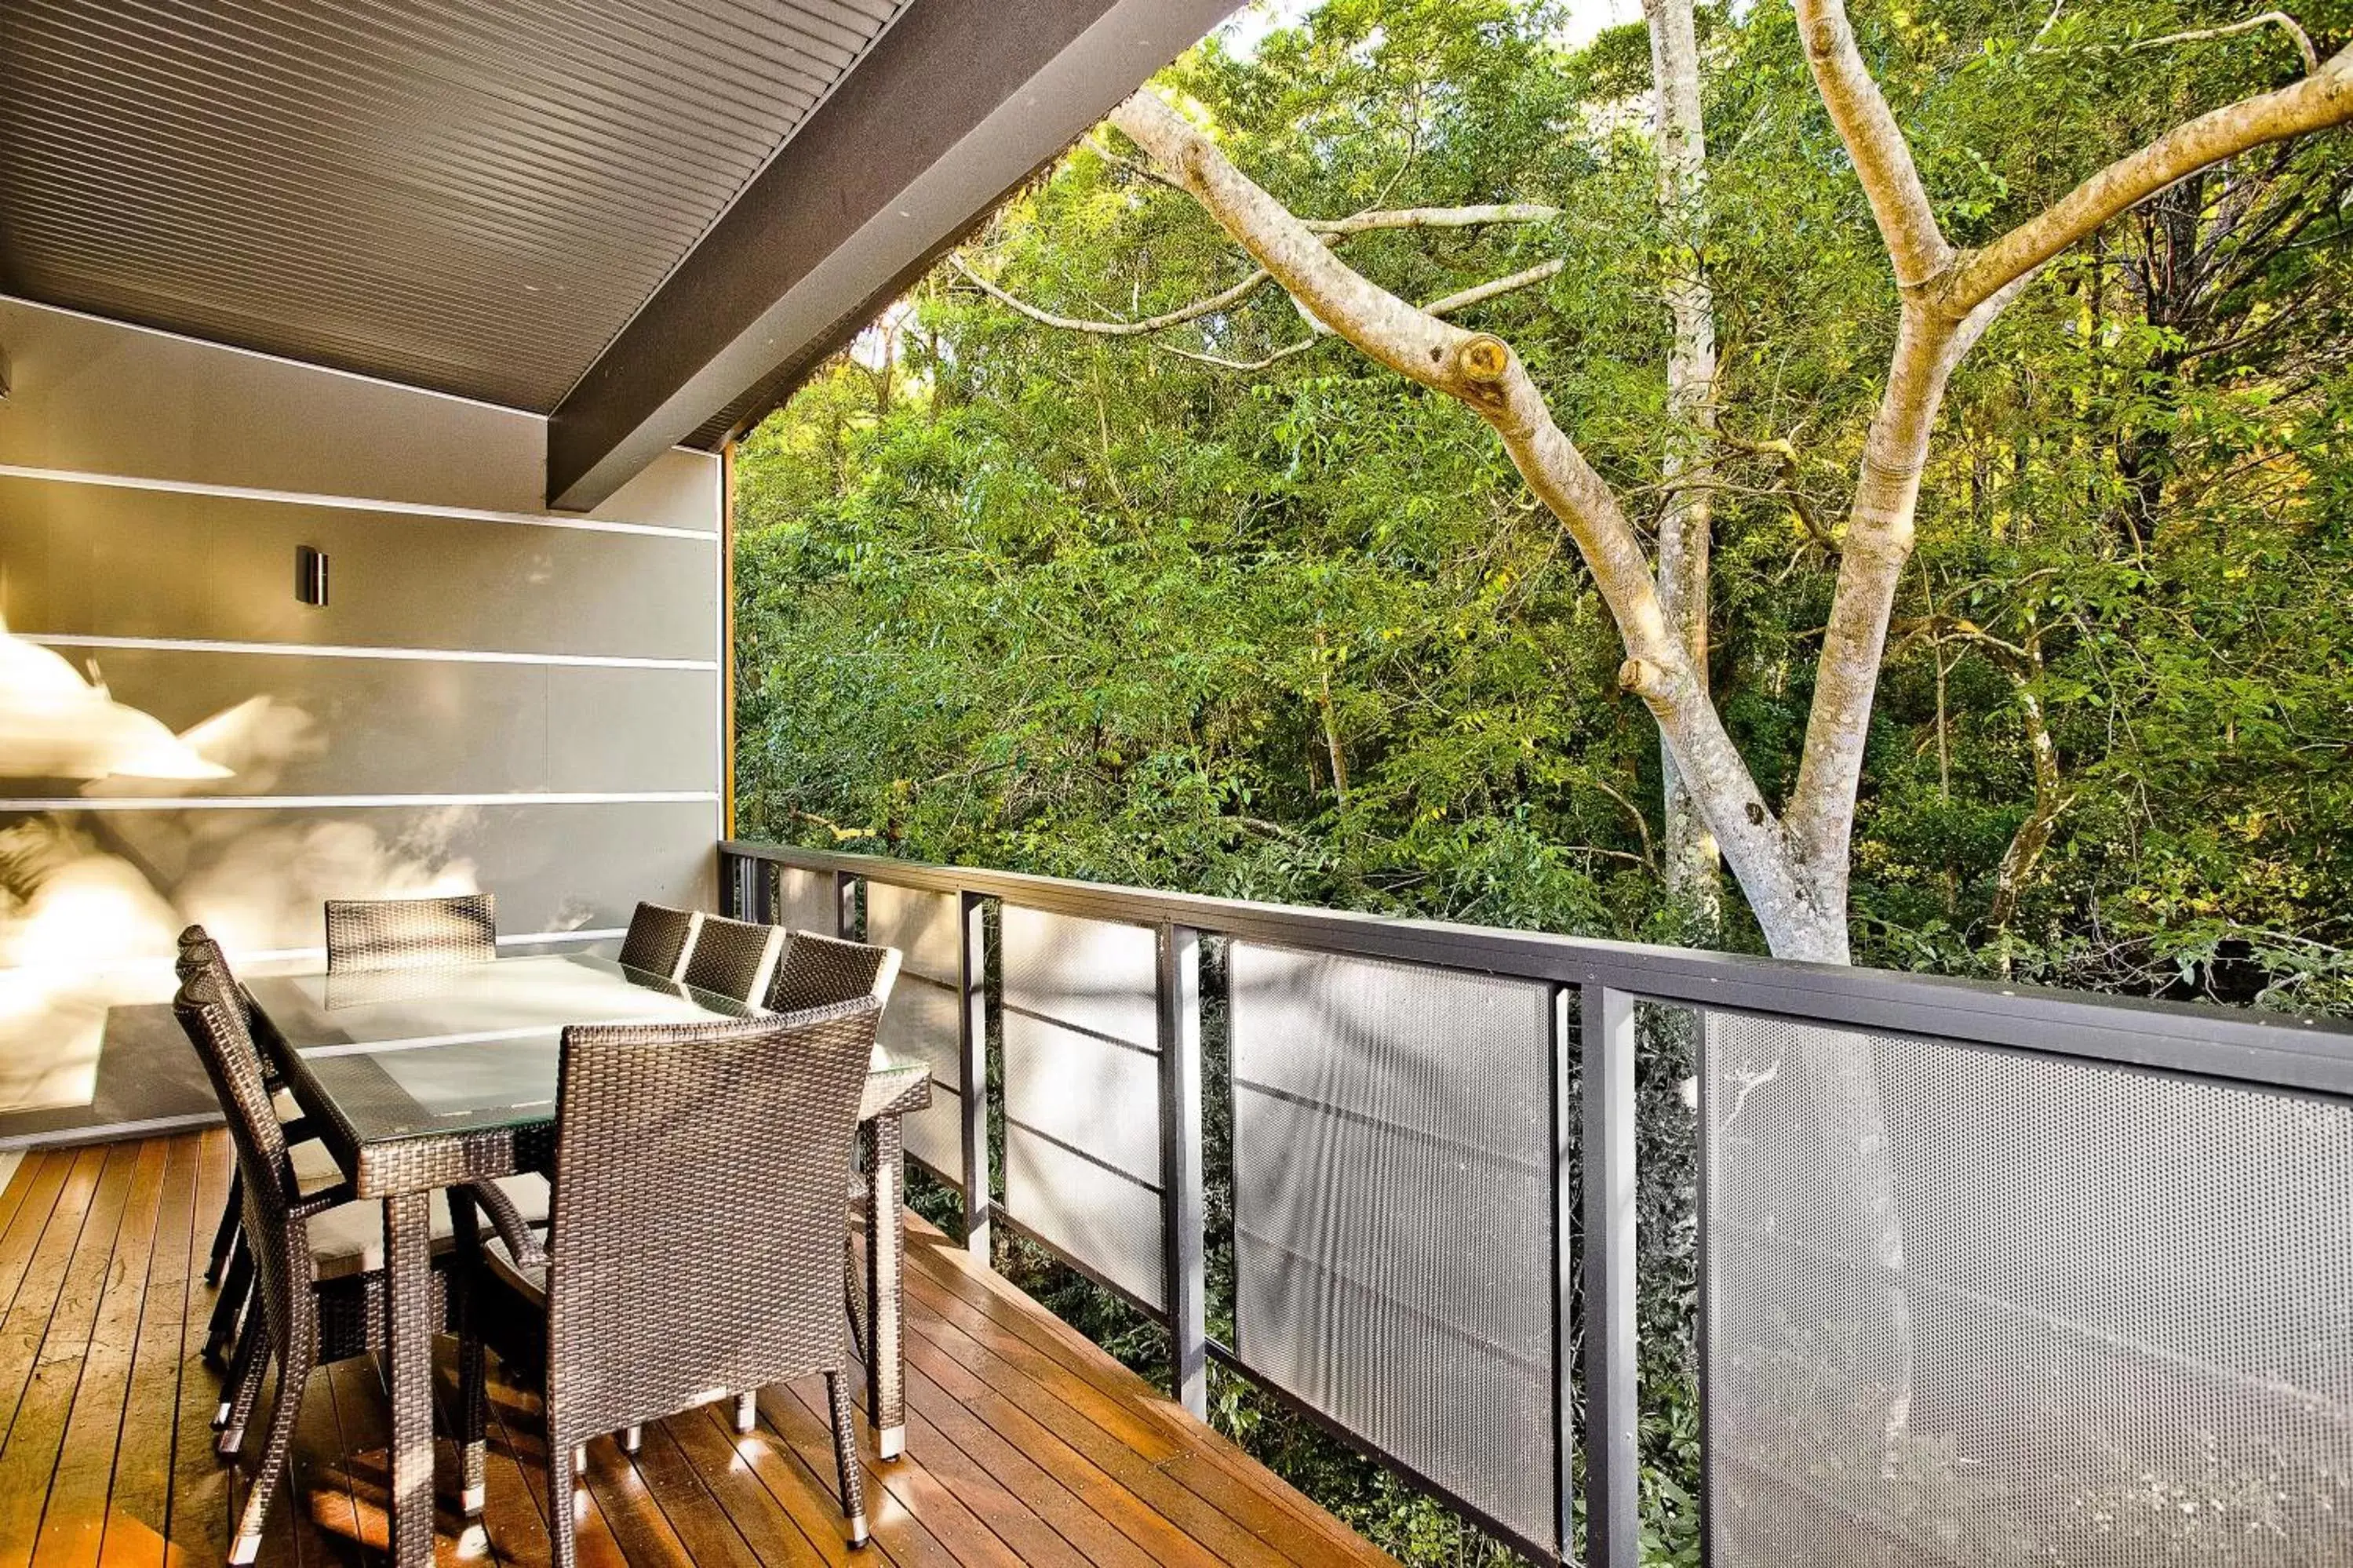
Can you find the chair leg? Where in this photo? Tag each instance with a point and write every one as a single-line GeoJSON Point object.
{"type": "Point", "coordinates": [747, 1410]}
{"type": "Point", "coordinates": [243, 1390]}
{"type": "Point", "coordinates": [563, 1462]}
{"type": "Point", "coordinates": [632, 1440]}
{"type": "Point", "coordinates": [235, 1293]}
{"type": "Point", "coordinates": [224, 1238]}
{"type": "Point", "coordinates": [845, 1456]}
{"type": "Point", "coordinates": [291, 1381]}
{"type": "Point", "coordinates": [853, 1292]}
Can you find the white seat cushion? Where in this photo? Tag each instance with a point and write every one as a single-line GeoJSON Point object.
{"type": "Point", "coordinates": [314, 1167]}
{"type": "Point", "coordinates": [349, 1238]}
{"type": "Point", "coordinates": [532, 1280]}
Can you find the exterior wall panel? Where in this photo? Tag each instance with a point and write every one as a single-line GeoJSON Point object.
{"type": "Point", "coordinates": [494, 696]}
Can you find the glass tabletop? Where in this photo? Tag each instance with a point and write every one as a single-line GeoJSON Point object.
{"type": "Point", "coordinates": [475, 1047]}
{"type": "Point", "coordinates": [506, 999]}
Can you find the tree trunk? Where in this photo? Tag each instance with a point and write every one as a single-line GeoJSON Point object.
{"type": "Point", "coordinates": [1694, 864]}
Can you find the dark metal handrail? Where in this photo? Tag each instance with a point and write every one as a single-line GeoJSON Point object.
{"type": "Point", "coordinates": [1597, 988]}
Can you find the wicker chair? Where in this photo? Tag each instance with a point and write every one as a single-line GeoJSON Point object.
{"type": "Point", "coordinates": [367, 935]}
{"type": "Point", "coordinates": [658, 940]}
{"type": "Point", "coordinates": [821, 970]}
{"type": "Point", "coordinates": [320, 1300]}
{"type": "Point", "coordinates": [230, 1269]}
{"type": "Point", "coordinates": [734, 958]}
{"type": "Point", "coordinates": [697, 1231]}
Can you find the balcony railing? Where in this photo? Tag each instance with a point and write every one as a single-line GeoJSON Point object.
{"type": "Point", "coordinates": [1983, 1274]}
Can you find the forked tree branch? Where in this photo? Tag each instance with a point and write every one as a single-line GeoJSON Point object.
{"type": "Point", "coordinates": [1882, 157]}
{"type": "Point", "coordinates": [1337, 229]}
{"type": "Point", "coordinates": [2260, 19]}
{"type": "Point", "coordinates": [1447, 305]}
{"type": "Point", "coordinates": [2316, 102]}
{"type": "Point", "coordinates": [1481, 372]}
{"type": "Point", "coordinates": [1208, 305]}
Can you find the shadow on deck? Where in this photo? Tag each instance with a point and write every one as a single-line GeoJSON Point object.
{"type": "Point", "coordinates": [1026, 1443]}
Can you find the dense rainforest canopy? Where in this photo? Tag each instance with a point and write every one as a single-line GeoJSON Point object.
{"type": "Point", "coordinates": [1142, 607]}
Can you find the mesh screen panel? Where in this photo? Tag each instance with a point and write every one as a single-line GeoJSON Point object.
{"type": "Point", "coordinates": [2106, 1314]}
{"type": "Point", "coordinates": [805, 901]}
{"type": "Point", "coordinates": [1082, 1091]}
{"type": "Point", "coordinates": [923, 1020]}
{"type": "Point", "coordinates": [1392, 1153]}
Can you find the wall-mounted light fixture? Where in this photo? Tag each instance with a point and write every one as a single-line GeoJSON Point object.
{"type": "Point", "coordinates": [310, 574]}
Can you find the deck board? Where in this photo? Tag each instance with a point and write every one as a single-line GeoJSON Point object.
{"type": "Point", "coordinates": [1026, 1444]}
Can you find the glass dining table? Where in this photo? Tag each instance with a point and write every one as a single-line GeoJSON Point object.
{"type": "Point", "coordinates": [420, 1079]}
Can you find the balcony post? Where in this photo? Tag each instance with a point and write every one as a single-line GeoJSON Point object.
{"type": "Point", "coordinates": [972, 1079]}
{"type": "Point", "coordinates": [1178, 993]}
{"type": "Point", "coordinates": [1606, 1090]}
{"type": "Point", "coordinates": [845, 905]}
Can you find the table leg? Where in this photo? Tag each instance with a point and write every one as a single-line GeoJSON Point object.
{"type": "Point", "coordinates": [886, 1244]}
{"type": "Point", "coordinates": [408, 1307]}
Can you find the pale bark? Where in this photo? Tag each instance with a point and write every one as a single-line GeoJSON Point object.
{"type": "Point", "coordinates": [1794, 872]}
{"type": "Point", "coordinates": [2321, 99]}
{"type": "Point", "coordinates": [1694, 865]}
{"type": "Point", "coordinates": [1481, 372]}
{"type": "Point", "coordinates": [1336, 228]}
{"type": "Point", "coordinates": [1446, 305]}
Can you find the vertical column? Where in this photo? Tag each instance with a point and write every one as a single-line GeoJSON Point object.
{"type": "Point", "coordinates": [886, 1242]}
{"type": "Point", "coordinates": [972, 1079]}
{"type": "Point", "coordinates": [1179, 999]}
{"type": "Point", "coordinates": [1567, 1193]}
{"type": "Point", "coordinates": [845, 905]}
{"type": "Point", "coordinates": [1612, 1524]}
{"type": "Point", "coordinates": [408, 1307]}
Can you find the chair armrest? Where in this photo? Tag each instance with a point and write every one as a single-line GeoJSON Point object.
{"type": "Point", "coordinates": [522, 1244]}
{"type": "Point", "coordinates": [313, 1205]}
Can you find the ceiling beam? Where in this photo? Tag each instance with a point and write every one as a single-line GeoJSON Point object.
{"type": "Point", "coordinates": [957, 104]}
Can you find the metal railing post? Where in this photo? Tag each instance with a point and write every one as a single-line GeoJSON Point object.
{"type": "Point", "coordinates": [845, 905]}
{"type": "Point", "coordinates": [731, 883]}
{"type": "Point", "coordinates": [972, 1079]}
{"type": "Point", "coordinates": [1567, 1193]}
{"type": "Point", "coordinates": [1178, 993]}
{"type": "Point", "coordinates": [1612, 1522]}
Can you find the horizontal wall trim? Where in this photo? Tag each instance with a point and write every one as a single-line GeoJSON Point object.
{"type": "Point", "coordinates": [344, 650]}
{"type": "Point", "coordinates": [316, 954]}
{"type": "Point", "coordinates": [348, 503]}
{"type": "Point", "coordinates": [329, 802]}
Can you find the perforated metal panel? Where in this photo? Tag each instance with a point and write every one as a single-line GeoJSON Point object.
{"type": "Point", "coordinates": [1082, 1092]}
{"type": "Point", "coordinates": [807, 901]}
{"type": "Point", "coordinates": [926, 1008]}
{"type": "Point", "coordinates": [1392, 1211]}
{"type": "Point", "coordinates": [1966, 1306]}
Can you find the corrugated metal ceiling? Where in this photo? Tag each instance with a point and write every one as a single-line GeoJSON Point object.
{"type": "Point", "coordinates": [473, 195]}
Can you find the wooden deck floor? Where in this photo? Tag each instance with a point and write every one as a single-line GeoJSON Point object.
{"type": "Point", "coordinates": [1026, 1444]}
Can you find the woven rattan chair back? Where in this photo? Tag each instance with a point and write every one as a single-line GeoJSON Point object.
{"type": "Point", "coordinates": [699, 1241]}
{"type": "Point", "coordinates": [276, 1233]}
{"type": "Point", "coordinates": [821, 971]}
{"type": "Point", "coordinates": [657, 939]}
{"type": "Point", "coordinates": [734, 958]}
{"type": "Point", "coordinates": [366, 934]}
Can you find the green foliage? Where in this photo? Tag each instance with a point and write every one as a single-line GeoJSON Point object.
{"type": "Point", "coordinates": [1073, 603]}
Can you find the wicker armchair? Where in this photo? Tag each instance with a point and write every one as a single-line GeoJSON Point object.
{"type": "Point", "coordinates": [734, 958]}
{"type": "Point", "coordinates": [367, 935]}
{"type": "Point", "coordinates": [821, 970]}
{"type": "Point", "coordinates": [697, 1231]}
{"type": "Point", "coordinates": [320, 1300]}
{"type": "Point", "coordinates": [658, 940]}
